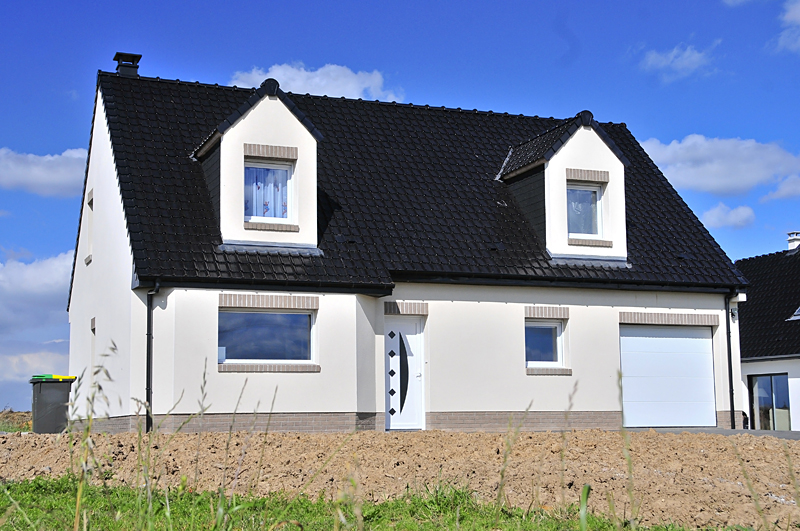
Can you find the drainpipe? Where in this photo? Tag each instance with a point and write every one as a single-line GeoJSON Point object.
{"type": "Point", "coordinates": [148, 386]}
{"type": "Point", "coordinates": [728, 298]}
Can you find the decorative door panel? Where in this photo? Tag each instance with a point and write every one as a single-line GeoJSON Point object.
{"type": "Point", "coordinates": [404, 363]}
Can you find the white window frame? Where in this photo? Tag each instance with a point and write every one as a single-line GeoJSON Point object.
{"type": "Point", "coordinates": [312, 341]}
{"type": "Point", "coordinates": [559, 326]}
{"type": "Point", "coordinates": [600, 191]}
{"type": "Point", "coordinates": [291, 196]}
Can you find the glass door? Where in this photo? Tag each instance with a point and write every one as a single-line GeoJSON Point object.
{"type": "Point", "coordinates": [769, 406]}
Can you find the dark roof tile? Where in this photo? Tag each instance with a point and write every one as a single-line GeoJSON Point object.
{"type": "Point", "coordinates": [772, 297]}
{"type": "Point", "coordinates": [410, 189]}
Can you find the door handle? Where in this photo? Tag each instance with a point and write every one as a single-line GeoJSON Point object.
{"type": "Point", "coordinates": [419, 375]}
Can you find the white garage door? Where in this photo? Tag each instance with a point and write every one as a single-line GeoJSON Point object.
{"type": "Point", "coordinates": [667, 376]}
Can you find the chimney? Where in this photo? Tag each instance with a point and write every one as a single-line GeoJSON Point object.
{"type": "Point", "coordinates": [794, 240]}
{"type": "Point", "coordinates": [127, 64]}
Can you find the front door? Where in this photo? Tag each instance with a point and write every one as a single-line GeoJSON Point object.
{"type": "Point", "coordinates": [404, 363]}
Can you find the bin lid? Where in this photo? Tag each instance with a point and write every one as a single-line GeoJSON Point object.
{"type": "Point", "coordinates": [38, 378]}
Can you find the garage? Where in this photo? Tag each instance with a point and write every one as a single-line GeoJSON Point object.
{"type": "Point", "coordinates": [667, 376]}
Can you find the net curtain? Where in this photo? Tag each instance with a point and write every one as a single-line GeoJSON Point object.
{"type": "Point", "coordinates": [266, 192]}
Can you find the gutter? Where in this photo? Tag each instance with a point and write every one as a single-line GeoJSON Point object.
{"type": "Point", "coordinates": [728, 298]}
{"type": "Point", "coordinates": [148, 386]}
{"type": "Point", "coordinates": [778, 357]}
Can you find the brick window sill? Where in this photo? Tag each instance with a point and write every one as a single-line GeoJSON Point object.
{"type": "Point", "coordinates": [268, 367]}
{"type": "Point", "coordinates": [547, 371]}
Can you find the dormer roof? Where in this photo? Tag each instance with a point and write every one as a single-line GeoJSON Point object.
{"type": "Point", "coordinates": [270, 87]}
{"type": "Point", "coordinates": [543, 146]}
{"type": "Point", "coordinates": [405, 193]}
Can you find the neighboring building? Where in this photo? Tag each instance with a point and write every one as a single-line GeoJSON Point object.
{"type": "Point", "coordinates": [390, 266]}
{"type": "Point", "coordinates": [770, 338]}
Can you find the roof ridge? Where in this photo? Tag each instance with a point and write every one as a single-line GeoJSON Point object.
{"type": "Point", "coordinates": [179, 82]}
{"type": "Point", "coordinates": [426, 106]}
{"type": "Point", "coordinates": [776, 253]}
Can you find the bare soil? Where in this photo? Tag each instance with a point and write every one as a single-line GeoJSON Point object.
{"type": "Point", "coordinates": [694, 480]}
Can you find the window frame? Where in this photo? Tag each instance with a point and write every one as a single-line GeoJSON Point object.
{"type": "Point", "coordinates": [291, 194]}
{"type": "Point", "coordinates": [312, 342]}
{"type": "Point", "coordinates": [600, 189]}
{"type": "Point", "coordinates": [559, 343]}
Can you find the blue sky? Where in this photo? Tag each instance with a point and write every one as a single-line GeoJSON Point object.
{"type": "Point", "coordinates": [709, 88]}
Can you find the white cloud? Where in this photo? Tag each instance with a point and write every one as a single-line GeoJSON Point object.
{"type": "Point", "coordinates": [48, 175]}
{"type": "Point", "coordinates": [723, 166]}
{"type": "Point", "coordinates": [34, 295]}
{"type": "Point", "coordinates": [682, 61]}
{"type": "Point", "coordinates": [20, 367]}
{"type": "Point", "coordinates": [789, 38]}
{"type": "Point", "coordinates": [789, 187]}
{"type": "Point", "coordinates": [724, 216]}
{"type": "Point", "coordinates": [329, 80]}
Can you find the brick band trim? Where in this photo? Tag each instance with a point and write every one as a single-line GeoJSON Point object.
{"type": "Point", "coordinates": [548, 371]}
{"type": "Point", "coordinates": [546, 312]}
{"type": "Point", "coordinates": [497, 421]}
{"type": "Point", "coordinates": [268, 302]}
{"type": "Point", "coordinates": [272, 227]}
{"type": "Point", "coordinates": [268, 367]}
{"type": "Point", "coordinates": [264, 151]}
{"type": "Point", "coordinates": [405, 308]}
{"type": "Point", "coordinates": [680, 319]}
{"type": "Point", "coordinates": [591, 176]}
{"type": "Point", "coordinates": [589, 242]}
{"type": "Point", "coordinates": [314, 422]}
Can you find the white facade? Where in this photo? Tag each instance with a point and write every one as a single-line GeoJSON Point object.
{"type": "Point", "coordinates": [101, 296]}
{"type": "Point", "coordinates": [473, 349]}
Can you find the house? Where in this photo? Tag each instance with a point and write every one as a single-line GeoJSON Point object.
{"type": "Point", "coordinates": [376, 265]}
{"type": "Point", "coordinates": [770, 338]}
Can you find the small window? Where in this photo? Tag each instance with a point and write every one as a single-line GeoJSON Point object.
{"type": "Point", "coordinates": [583, 210]}
{"type": "Point", "coordinates": [268, 191]}
{"type": "Point", "coordinates": [769, 405]}
{"type": "Point", "coordinates": [264, 336]}
{"type": "Point", "coordinates": [543, 344]}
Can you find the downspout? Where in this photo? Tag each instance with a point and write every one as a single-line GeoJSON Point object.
{"type": "Point", "coordinates": [148, 386]}
{"type": "Point", "coordinates": [728, 298]}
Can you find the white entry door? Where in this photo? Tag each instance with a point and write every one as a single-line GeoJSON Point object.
{"type": "Point", "coordinates": [667, 376]}
{"type": "Point", "coordinates": [405, 407]}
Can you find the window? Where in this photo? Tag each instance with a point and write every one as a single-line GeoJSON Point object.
{"type": "Point", "coordinates": [769, 402]}
{"type": "Point", "coordinates": [264, 336]}
{"type": "Point", "coordinates": [583, 210]}
{"type": "Point", "coordinates": [268, 191]}
{"type": "Point", "coordinates": [543, 344]}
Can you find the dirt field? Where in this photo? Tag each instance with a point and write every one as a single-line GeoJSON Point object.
{"type": "Point", "coordinates": [15, 420]}
{"type": "Point", "coordinates": [690, 479]}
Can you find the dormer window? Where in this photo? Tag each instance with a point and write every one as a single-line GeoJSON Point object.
{"type": "Point", "coordinates": [268, 192]}
{"type": "Point", "coordinates": [584, 211]}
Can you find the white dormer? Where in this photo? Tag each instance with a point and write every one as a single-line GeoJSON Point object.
{"type": "Point", "coordinates": [570, 184]}
{"type": "Point", "coordinates": [585, 199]}
{"type": "Point", "coordinates": [267, 174]}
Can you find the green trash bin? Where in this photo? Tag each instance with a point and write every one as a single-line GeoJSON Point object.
{"type": "Point", "coordinates": [50, 402]}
